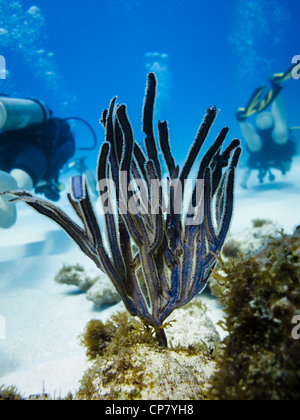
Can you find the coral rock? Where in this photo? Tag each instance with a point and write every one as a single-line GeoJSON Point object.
{"type": "Point", "coordinates": [103, 292]}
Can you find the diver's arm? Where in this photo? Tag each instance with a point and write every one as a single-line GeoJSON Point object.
{"type": "Point", "coordinates": [253, 140]}
{"type": "Point", "coordinates": [281, 130]}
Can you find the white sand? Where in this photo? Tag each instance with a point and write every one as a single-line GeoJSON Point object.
{"type": "Point", "coordinates": [278, 201]}
{"type": "Point", "coordinates": [40, 321]}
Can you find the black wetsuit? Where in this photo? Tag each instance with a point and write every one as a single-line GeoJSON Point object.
{"type": "Point", "coordinates": [271, 154]}
{"type": "Point", "coordinates": [40, 151]}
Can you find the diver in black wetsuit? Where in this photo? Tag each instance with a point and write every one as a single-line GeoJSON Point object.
{"type": "Point", "coordinates": [269, 143]}
{"type": "Point", "coordinates": [34, 146]}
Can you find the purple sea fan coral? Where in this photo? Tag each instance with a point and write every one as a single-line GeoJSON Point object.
{"type": "Point", "coordinates": [158, 262]}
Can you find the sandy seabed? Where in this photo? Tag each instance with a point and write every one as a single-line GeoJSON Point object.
{"type": "Point", "coordinates": [41, 321]}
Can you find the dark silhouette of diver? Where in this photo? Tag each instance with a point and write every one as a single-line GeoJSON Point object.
{"type": "Point", "coordinates": [34, 147]}
{"type": "Point", "coordinates": [268, 140]}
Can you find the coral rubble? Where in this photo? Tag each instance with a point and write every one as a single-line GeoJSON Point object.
{"type": "Point", "coordinates": [75, 275]}
{"type": "Point", "coordinates": [251, 239]}
{"type": "Point", "coordinates": [98, 287]}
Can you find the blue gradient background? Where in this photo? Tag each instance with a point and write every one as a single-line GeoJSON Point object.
{"type": "Point", "coordinates": [206, 53]}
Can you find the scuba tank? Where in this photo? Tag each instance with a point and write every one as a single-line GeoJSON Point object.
{"type": "Point", "coordinates": [42, 130]}
{"type": "Point", "coordinates": [16, 114]}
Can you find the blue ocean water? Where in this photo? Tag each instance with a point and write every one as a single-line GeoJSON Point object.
{"type": "Point", "coordinates": [76, 56]}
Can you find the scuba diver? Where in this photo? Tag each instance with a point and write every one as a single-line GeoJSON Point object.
{"type": "Point", "coordinates": [34, 147]}
{"type": "Point", "coordinates": [268, 140]}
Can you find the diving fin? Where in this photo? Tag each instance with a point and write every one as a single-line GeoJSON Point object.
{"type": "Point", "coordinates": [256, 104]}
{"type": "Point", "coordinates": [282, 77]}
{"type": "Point", "coordinates": [243, 113]}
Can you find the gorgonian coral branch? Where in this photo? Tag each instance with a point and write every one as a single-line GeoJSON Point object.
{"type": "Point", "coordinates": [158, 260]}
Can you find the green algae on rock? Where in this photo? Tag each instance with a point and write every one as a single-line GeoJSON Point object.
{"type": "Point", "coordinates": [261, 295]}
{"type": "Point", "coordinates": [9, 393]}
{"type": "Point", "coordinates": [127, 362]}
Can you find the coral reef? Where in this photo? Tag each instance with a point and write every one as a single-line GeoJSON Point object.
{"type": "Point", "coordinates": [176, 252]}
{"type": "Point", "coordinates": [261, 296]}
{"type": "Point", "coordinates": [128, 363]}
